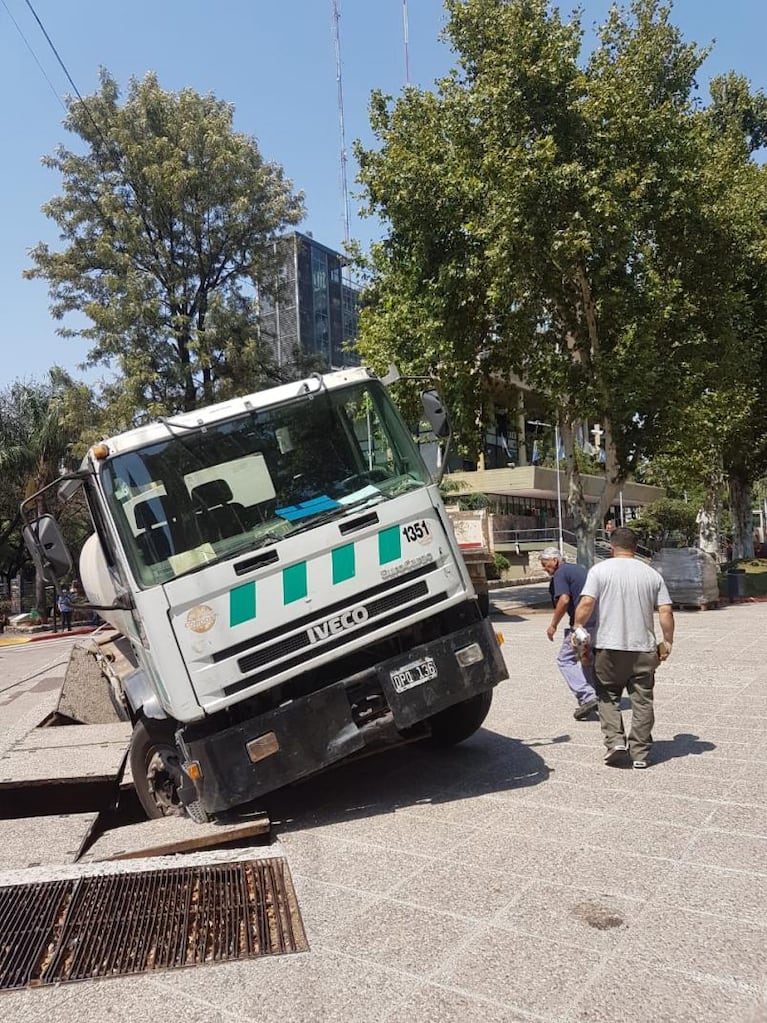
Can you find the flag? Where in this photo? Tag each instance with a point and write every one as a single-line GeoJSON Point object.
{"type": "Point", "coordinates": [536, 454]}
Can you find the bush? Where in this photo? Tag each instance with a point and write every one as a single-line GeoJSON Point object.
{"type": "Point", "coordinates": [501, 563]}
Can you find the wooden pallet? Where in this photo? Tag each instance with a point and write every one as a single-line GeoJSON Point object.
{"type": "Point", "coordinates": [707, 606]}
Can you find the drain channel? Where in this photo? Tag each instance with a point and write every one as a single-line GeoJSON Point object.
{"type": "Point", "coordinates": [119, 924]}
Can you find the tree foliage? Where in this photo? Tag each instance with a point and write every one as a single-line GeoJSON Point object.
{"type": "Point", "coordinates": [667, 522]}
{"type": "Point", "coordinates": [558, 217]}
{"type": "Point", "coordinates": [170, 222]}
{"type": "Point", "coordinates": [41, 427]}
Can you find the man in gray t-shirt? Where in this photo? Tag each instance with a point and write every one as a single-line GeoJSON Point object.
{"type": "Point", "coordinates": [626, 593]}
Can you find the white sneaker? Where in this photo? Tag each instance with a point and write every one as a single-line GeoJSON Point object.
{"type": "Point", "coordinates": [615, 754]}
{"type": "Point", "coordinates": [640, 765]}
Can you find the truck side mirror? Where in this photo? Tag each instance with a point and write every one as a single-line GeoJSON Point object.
{"type": "Point", "coordinates": [47, 547]}
{"type": "Point", "coordinates": [435, 414]}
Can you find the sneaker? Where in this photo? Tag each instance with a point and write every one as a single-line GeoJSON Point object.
{"type": "Point", "coordinates": [615, 754]}
{"type": "Point", "coordinates": [585, 710]}
{"type": "Point", "coordinates": [640, 765]}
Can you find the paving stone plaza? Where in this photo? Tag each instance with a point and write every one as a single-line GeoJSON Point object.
{"type": "Point", "coordinates": [515, 877]}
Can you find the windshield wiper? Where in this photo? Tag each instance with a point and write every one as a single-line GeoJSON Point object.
{"type": "Point", "coordinates": [266, 538]}
{"type": "Point", "coordinates": [320, 518]}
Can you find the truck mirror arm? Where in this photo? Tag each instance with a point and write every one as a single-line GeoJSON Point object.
{"type": "Point", "coordinates": [68, 477]}
{"type": "Point", "coordinates": [121, 603]}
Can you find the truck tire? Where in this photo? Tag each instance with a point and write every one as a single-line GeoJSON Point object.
{"type": "Point", "coordinates": [456, 723]}
{"type": "Point", "coordinates": [156, 770]}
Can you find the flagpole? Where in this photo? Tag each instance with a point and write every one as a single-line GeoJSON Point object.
{"type": "Point", "coordinates": [559, 490]}
{"type": "Point", "coordinates": [537, 423]}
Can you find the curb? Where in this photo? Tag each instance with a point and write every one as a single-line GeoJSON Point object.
{"type": "Point", "coordinates": [17, 640]}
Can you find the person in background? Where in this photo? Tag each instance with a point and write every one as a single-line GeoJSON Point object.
{"type": "Point", "coordinates": [565, 588]}
{"type": "Point", "coordinates": [625, 592]}
{"type": "Point", "coordinates": [64, 604]}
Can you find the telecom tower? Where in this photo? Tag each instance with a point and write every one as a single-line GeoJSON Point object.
{"type": "Point", "coordinates": [336, 23]}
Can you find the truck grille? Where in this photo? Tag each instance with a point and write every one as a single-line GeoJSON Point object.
{"type": "Point", "coordinates": [299, 641]}
{"type": "Point", "coordinates": [396, 611]}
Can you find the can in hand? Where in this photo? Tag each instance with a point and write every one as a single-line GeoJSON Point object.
{"type": "Point", "coordinates": [582, 644]}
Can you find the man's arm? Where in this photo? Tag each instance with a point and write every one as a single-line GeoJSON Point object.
{"type": "Point", "coordinates": [666, 618]}
{"type": "Point", "coordinates": [560, 610]}
{"type": "Point", "coordinates": [584, 610]}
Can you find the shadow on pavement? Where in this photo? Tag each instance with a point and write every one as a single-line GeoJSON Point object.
{"type": "Point", "coordinates": [409, 776]}
{"type": "Point", "coordinates": [684, 744]}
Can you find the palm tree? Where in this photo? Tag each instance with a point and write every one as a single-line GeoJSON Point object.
{"type": "Point", "coordinates": [33, 443]}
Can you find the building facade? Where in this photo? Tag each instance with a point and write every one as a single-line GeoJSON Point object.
{"type": "Point", "coordinates": [314, 316]}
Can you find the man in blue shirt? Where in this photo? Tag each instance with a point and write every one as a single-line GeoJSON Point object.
{"type": "Point", "coordinates": [565, 588]}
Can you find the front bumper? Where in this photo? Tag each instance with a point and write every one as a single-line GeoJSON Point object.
{"type": "Point", "coordinates": [317, 730]}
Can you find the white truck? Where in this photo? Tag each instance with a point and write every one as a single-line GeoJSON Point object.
{"type": "Point", "coordinates": [284, 569]}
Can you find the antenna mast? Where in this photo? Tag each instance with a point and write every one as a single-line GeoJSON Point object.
{"type": "Point", "coordinates": [407, 41]}
{"type": "Point", "coordinates": [336, 13]}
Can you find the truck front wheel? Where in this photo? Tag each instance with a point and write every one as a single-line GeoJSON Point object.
{"type": "Point", "coordinates": [156, 769]}
{"type": "Point", "coordinates": [456, 723]}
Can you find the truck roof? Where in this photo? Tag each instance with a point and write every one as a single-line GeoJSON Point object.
{"type": "Point", "coordinates": [158, 430]}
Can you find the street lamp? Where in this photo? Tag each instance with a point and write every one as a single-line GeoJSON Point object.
{"type": "Point", "coordinates": [537, 422]}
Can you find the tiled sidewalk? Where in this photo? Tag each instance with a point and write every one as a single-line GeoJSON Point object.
{"type": "Point", "coordinates": [516, 877]}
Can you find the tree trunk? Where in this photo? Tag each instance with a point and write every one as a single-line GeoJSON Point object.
{"type": "Point", "coordinates": [742, 518]}
{"type": "Point", "coordinates": [587, 516]}
{"type": "Point", "coordinates": [709, 522]}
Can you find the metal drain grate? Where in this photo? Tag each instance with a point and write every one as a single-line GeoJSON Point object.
{"type": "Point", "coordinates": [118, 924]}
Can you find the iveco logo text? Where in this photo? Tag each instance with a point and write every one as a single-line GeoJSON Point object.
{"type": "Point", "coordinates": [332, 626]}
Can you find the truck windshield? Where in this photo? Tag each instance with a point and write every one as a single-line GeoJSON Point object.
{"type": "Point", "coordinates": [205, 495]}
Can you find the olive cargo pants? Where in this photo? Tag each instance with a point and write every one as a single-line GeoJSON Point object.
{"type": "Point", "coordinates": [614, 671]}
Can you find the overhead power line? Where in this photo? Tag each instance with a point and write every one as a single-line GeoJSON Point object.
{"type": "Point", "coordinates": [36, 59]}
{"type": "Point", "coordinates": [65, 69]}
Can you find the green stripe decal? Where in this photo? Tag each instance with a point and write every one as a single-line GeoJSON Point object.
{"type": "Point", "coordinates": [389, 546]}
{"type": "Point", "coordinates": [242, 604]}
{"type": "Point", "coordinates": [343, 564]}
{"type": "Point", "coordinates": [294, 583]}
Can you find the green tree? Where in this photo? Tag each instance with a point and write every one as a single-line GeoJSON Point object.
{"type": "Point", "coordinates": [665, 522]}
{"type": "Point", "coordinates": [716, 427]}
{"type": "Point", "coordinates": [170, 222]}
{"type": "Point", "coordinates": [554, 217]}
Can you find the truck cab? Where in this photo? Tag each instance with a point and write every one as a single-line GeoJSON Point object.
{"type": "Point", "coordinates": [284, 569]}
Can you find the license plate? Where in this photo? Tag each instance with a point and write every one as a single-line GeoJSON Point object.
{"type": "Point", "coordinates": [414, 674]}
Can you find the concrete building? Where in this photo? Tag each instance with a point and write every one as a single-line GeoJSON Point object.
{"type": "Point", "coordinates": [530, 511]}
{"type": "Point", "coordinates": [315, 316]}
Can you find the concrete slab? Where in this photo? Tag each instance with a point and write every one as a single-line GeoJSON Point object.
{"type": "Point", "coordinates": [76, 737]}
{"type": "Point", "coordinates": [171, 835]}
{"type": "Point", "coordinates": [62, 765]}
{"type": "Point", "coordinates": [35, 841]}
{"type": "Point", "coordinates": [88, 695]}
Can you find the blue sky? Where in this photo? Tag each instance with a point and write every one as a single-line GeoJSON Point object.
{"type": "Point", "coordinates": [275, 61]}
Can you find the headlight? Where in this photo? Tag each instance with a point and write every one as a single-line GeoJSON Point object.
{"type": "Point", "coordinates": [471, 654]}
